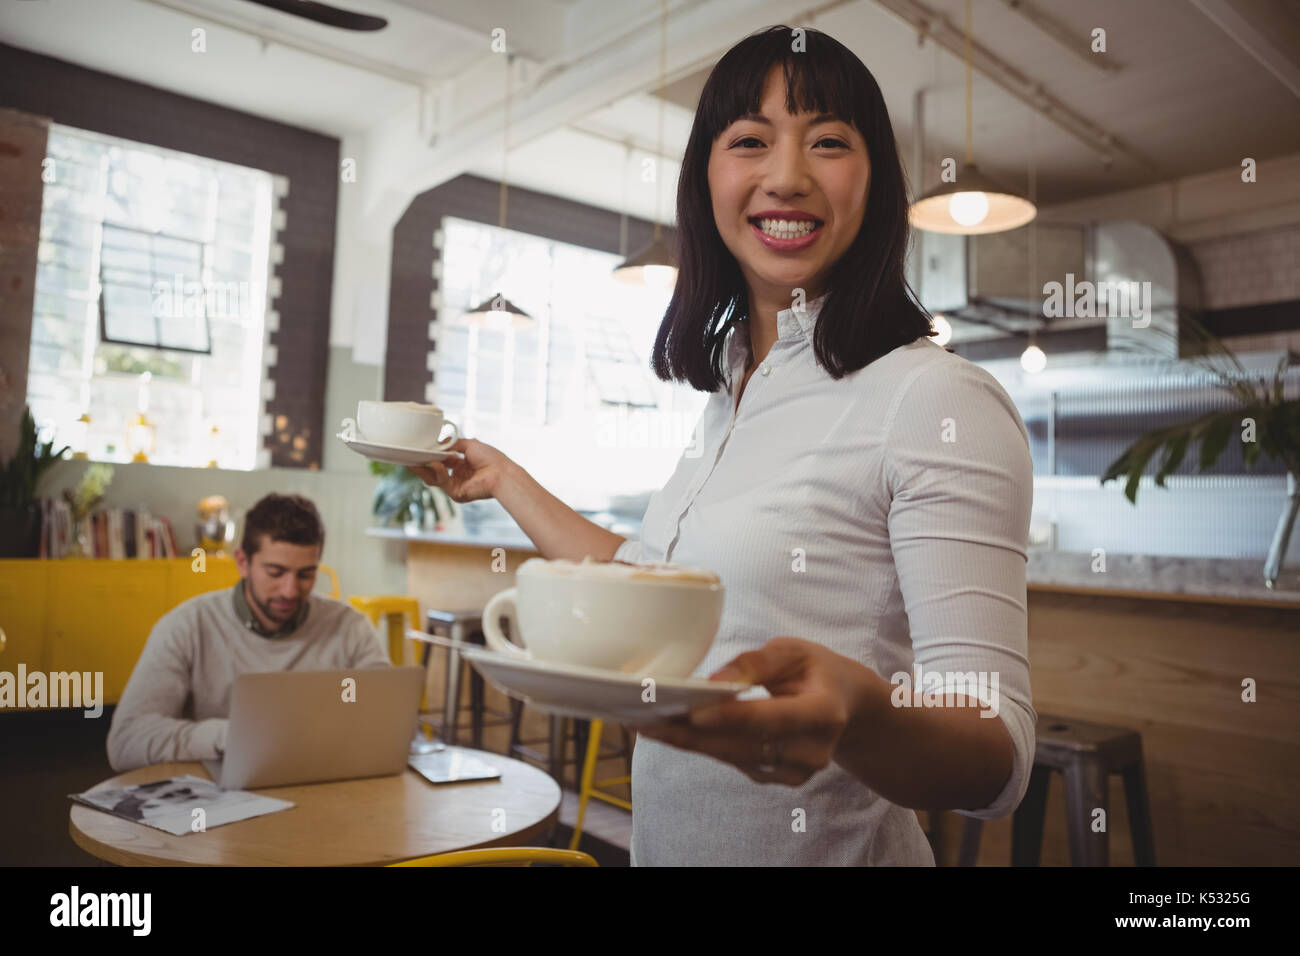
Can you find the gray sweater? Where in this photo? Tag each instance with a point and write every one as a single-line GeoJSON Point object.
{"type": "Point", "coordinates": [176, 703]}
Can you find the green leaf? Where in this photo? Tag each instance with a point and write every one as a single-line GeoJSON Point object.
{"type": "Point", "coordinates": [1174, 453]}
{"type": "Point", "coordinates": [1215, 439]}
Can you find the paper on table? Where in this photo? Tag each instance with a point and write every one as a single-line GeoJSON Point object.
{"type": "Point", "coordinates": [169, 805]}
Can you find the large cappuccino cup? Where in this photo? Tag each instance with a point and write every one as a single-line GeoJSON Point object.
{"type": "Point", "coordinates": [649, 619]}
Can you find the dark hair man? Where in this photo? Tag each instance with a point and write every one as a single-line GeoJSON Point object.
{"type": "Point", "coordinates": [176, 704]}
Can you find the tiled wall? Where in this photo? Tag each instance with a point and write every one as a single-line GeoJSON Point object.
{"type": "Point", "coordinates": [1250, 269]}
{"type": "Point", "coordinates": [22, 147]}
{"type": "Point", "coordinates": [307, 163]}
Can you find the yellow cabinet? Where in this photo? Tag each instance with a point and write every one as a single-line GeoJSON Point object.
{"type": "Point", "coordinates": [24, 608]}
{"type": "Point", "coordinates": [94, 615]}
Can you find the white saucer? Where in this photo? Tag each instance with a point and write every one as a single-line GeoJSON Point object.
{"type": "Point", "coordinates": [395, 454]}
{"type": "Point", "coordinates": [592, 694]}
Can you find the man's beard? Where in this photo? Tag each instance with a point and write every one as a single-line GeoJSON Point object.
{"type": "Point", "coordinates": [272, 612]}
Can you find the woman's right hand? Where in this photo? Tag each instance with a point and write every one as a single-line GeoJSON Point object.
{"type": "Point", "coordinates": [477, 475]}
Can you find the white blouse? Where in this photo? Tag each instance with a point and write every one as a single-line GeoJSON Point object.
{"type": "Point", "coordinates": [884, 515]}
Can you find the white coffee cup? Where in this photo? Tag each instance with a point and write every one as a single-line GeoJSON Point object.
{"type": "Point", "coordinates": [650, 619]}
{"type": "Point", "coordinates": [404, 425]}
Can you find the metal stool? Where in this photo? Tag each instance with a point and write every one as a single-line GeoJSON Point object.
{"type": "Point", "coordinates": [463, 627]}
{"type": "Point", "coordinates": [1087, 754]}
{"type": "Point", "coordinates": [560, 731]}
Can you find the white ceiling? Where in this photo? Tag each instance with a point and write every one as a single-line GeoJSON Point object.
{"type": "Point", "coordinates": [1186, 98]}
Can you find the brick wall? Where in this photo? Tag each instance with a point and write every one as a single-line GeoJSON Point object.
{"type": "Point", "coordinates": [22, 148]}
{"type": "Point", "coordinates": [74, 96]}
{"type": "Point", "coordinates": [410, 309]}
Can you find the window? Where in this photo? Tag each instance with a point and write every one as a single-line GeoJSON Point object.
{"type": "Point", "coordinates": [578, 380]}
{"type": "Point", "coordinates": [150, 296]}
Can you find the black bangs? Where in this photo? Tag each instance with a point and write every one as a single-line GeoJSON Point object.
{"type": "Point", "coordinates": [869, 308]}
{"type": "Point", "coordinates": [812, 65]}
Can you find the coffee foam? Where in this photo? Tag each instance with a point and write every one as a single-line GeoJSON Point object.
{"type": "Point", "coordinates": [660, 572]}
{"type": "Point", "coordinates": [413, 406]}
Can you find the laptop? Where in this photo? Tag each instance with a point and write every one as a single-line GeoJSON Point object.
{"type": "Point", "coordinates": [291, 727]}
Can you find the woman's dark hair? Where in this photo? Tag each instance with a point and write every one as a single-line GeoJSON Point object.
{"type": "Point", "coordinates": [869, 309]}
{"type": "Point", "coordinates": [290, 518]}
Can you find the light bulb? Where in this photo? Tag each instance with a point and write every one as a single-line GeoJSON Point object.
{"type": "Point", "coordinates": [660, 277]}
{"type": "Point", "coordinates": [968, 209]}
{"type": "Point", "coordinates": [944, 328]}
{"type": "Point", "coordinates": [1033, 360]}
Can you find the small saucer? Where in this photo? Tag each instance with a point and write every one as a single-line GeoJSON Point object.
{"type": "Point", "coordinates": [592, 694]}
{"type": "Point", "coordinates": [395, 454]}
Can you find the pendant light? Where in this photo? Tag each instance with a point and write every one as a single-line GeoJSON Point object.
{"type": "Point", "coordinates": [656, 264]}
{"type": "Point", "coordinates": [975, 204]}
{"type": "Point", "coordinates": [496, 311]}
{"type": "Point", "coordinates": [1033, 359]}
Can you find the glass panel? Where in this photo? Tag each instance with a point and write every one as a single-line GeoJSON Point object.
{"type": "Point", "coordinates": [144, 222]}
{"type": "Point", "coordinates": [587, 351]}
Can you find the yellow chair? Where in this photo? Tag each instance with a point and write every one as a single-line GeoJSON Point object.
{"type": "Point", "coordinates": [334, 579]}
{"type": "Point", "coordinates": [392, 608]}
{"type": "Point", "coordinates": [504, 856]}
{"type": "Point", "coordinates": [591, 788]}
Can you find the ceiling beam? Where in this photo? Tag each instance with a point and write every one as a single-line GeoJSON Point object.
{"type": "Point", "coordinates": [270, 34]}
{"type": "Point", "coordinates": [1274, 41]}
{"type": "Point", "coordinates": [469, 129]}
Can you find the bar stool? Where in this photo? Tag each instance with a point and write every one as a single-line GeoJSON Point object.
{"type": "Point", "coordinates": [1086, 754]}
{"type": "Point", "coordinates": [466, 628]}
{"type": "Point", "coordinates": [589, 788]}
{"type": "Point", "coordinates": [560, 730]}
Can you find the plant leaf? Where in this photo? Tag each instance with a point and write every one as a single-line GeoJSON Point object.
{"type": "Point", "coordinates": [1215, 439]}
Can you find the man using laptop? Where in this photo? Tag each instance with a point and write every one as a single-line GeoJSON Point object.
{"type": "Point", "coordinates": [176, 704]}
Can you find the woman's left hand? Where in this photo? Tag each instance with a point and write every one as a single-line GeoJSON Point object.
{"type": "Point", "coordinates": [816, 695]}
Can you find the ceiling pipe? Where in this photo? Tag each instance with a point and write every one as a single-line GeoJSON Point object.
{"type": "Point", "coordinates": [1069, 40]}
{"type": "Point", "coordinates": [930, 22]}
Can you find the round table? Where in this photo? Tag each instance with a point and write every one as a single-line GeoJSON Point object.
{"type": "Point", "coordinates": [368, 822]}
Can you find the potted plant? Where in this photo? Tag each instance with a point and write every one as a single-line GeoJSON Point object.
{"type": "Point", "coordinates": [82, 500]}
{"type": "Point", "coordinates": [402, 498]}
{"type": "Point", "coordinates": [1276, 435]}
{"type": "Point", "coordinates": [20, 516]}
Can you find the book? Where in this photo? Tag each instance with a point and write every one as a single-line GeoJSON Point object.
{"type": "Point", "coordinates": [142, 520]}
{"type": "Point", "coordinates": [169, 805]}
{"type": "Point", "coordinates": [169, 537]}
{"type": "Point", "coordinates": [116, 549]}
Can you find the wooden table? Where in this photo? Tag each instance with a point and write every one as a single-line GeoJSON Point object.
{"type": "Point", "coordinates": [369, 822]}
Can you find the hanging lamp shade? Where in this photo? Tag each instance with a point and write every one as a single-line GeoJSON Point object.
{"type": "Point", "coordinates": [655, 265]}
{"type": "Point", "coordinates": [975, 204]}
{"type": "Point", "coordinates": [498, 312]}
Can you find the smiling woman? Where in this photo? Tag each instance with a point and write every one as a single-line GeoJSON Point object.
{"type": "Point", "coordinates": [864, 500]}
{"type": "Point", "coordinates": [790, 186]}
